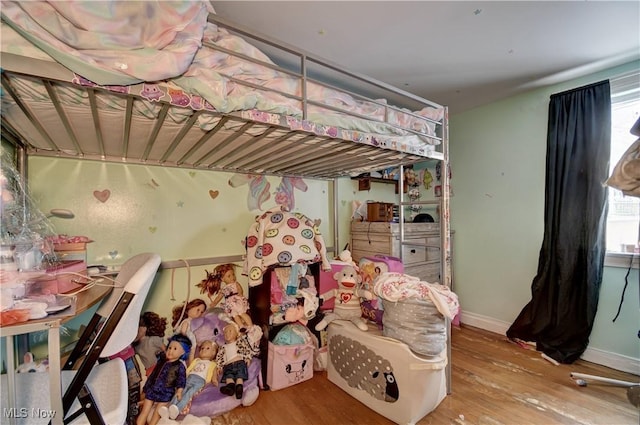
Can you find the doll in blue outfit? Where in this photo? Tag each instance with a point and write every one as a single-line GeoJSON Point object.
{"type": "Point", "coordinates": [201, 371]}
{"type": "Point", "coordinates": [169, 377]}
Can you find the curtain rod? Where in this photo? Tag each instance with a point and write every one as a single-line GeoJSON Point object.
{"type": "Point", "coordinates": [588, 86]}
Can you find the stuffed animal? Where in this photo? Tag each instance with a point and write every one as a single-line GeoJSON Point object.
{"type": "Point", "coordinates": [210, 401]}
{"type": "Point", "coordinates": [347, 299]}
{"type": "Point", "coordinates": [346, 257]}
{"type": "Point", "coordinates": [30, 365]}
{"type": "Point", "coordinates": [300, 309]}
{"type": "Point", "coordinates": [188, 420]}
{"type": "Point", "coordinates": [209, 327]}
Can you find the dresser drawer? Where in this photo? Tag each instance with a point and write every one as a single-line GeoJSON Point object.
{"type": "Point", "coordinates": [426, 249]}
{"type": "Point", "coordinates": [394, 228]}
{"type": "Point", "coordinates": [363, 245]}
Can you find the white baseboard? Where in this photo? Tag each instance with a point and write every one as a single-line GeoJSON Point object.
{"type": "Point", "coordinates": [484, 322]}
{"type": "Point", "coordinates": [593, 355]}
{"type": "Point", "coordinates": [612, 360]}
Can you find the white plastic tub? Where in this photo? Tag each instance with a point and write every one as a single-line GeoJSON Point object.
{"type": "Point", "coordinates": [384, 374]}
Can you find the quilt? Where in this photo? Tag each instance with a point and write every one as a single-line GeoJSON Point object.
{"type": "Point", "coordinates": [280, 237]}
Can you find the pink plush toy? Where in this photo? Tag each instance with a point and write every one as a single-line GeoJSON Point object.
{"type": "Point", "coordinates": [347, 299]}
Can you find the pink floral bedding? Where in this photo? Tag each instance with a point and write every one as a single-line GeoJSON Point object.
{"type": "Point", "coordinates": [162, 50]}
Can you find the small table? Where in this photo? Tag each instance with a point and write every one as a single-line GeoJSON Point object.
{"type": "Point", "coordinates": [82, 302]}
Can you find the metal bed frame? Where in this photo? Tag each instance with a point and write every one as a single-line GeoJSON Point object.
{"type": "Point", "coordinates": [235, 144]}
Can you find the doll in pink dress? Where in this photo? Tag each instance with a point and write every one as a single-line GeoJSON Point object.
{"type": "Point", "coordinates": [222, 287]}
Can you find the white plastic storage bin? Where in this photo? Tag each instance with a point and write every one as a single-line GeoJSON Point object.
{"type": "Point", "coordinates": [384, 374]}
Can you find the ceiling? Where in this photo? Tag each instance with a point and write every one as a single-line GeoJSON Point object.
{"type": "Point", "coordinates": [461, 54]}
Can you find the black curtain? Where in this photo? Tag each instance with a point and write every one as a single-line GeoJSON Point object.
{"type": "Point", "coordinates": [566, 288]}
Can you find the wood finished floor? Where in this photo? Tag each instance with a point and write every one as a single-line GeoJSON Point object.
{"type": "Point", "coordinates": [494, 382]}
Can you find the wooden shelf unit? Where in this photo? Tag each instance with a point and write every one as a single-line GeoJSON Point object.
{"type": "Point", "coordinates": [364, 183]}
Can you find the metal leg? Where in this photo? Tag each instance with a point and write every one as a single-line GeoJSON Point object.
{"type": "Point", "coordinates": [55, 384]}
{"type": "Point", "coordinates": [11, 377]}
{"type": "Point", "coordinates": [582, 377]}
{"type": "Point", "coordinates": [89, 406]}
{"type": "Point", "coordinates": [447, 369]}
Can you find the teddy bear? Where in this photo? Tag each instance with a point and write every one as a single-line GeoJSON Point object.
{"type": "Point", "coordinates": [347, 299]}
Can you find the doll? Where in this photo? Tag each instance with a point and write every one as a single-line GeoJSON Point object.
{"type": "Point", "coordinates": [201, 371]}
{"type": "Point", "coordinates": [233, 358]}
{"type": "Point", "coordinates": [168, 376]}
{"type": "Point", "coordinates": [221, 285]}
{"type": "Point", "coordinates": [150, 340]}
{"type": "Point", "coordinates": [182, 316]}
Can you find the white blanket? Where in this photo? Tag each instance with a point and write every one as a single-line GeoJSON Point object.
{"type": "Point", "coordinates": [400, 287]}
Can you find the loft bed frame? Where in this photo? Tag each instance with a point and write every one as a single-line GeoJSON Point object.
{"type": "Point", "coordinates": [49, 110]}
{"type": "Point", "coordinates": [238, 142]}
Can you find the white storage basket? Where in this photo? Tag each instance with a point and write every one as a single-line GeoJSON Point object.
{"type": "Point", "coordinates": [384, 374]}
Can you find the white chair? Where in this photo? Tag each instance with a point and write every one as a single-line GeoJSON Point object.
{"type": "Point", "coordinates": [96, 388]}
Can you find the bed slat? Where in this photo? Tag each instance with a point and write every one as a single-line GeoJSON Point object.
{"type": "Point", "coordinates": [63, 117]}
{"type": "Point", "coordinates": [203, 139]}
{"type": "Point", "coordinates": [127, 127]}
{"type": "Point", "coordinates": [256, 144]}
{"type": "Point", "coordinates": [183, 132]}
{"type": "Point", "coordinates": [96, 120]}
{"type": "Point", "coordinates": [156, 129]}
{"type": "Point", "coordinates": [224, 143]}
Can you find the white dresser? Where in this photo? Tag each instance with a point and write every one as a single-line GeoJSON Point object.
{"type": "Point", "coordinates": [371, 238]}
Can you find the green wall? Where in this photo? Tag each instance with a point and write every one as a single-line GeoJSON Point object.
{"type": "Point", "coordinates": [498, 160]}
{"type": "Point", "coordinates": [172, 212]}
{"type": "Point", "coordinates": [180, 214]}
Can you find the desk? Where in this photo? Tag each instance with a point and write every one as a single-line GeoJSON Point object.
{"type": "Point", "coordinates": [83, 301]}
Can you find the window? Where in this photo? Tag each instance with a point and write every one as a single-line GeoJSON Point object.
{"type": "Point", "coordinates": [624, 211]}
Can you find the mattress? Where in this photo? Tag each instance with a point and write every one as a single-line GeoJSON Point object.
{"type": "Point", "coordinates": [224, 94]}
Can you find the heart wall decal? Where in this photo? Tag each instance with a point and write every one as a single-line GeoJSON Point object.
{"type": "Point", "coordinates": [102, 195]}
{"type": "Point", "coordinates": [214, 194]}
